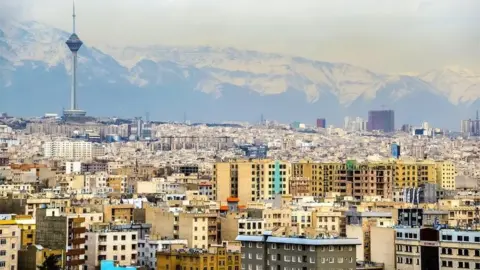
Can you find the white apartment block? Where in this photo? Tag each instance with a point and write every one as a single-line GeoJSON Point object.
{"type": "Point", "coordinates": [73, 167]}
{"type": "Point", "coordinates": [9, 246]}
{"type": "Point", "coordinates": [120, 246]}
{"type": "Point", "coordinates": [97, 183]}
{"type": "Point", "coordinates": [148, 248]}
{"type": "Point", "coordinates": [5, 189]}
{"type": "Point", "coordinates": [72, 150]}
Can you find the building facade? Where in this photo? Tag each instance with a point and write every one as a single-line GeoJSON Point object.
{"type": "Point", "coordinates": [383, 120]}
{"type": "Point", "coordinates": [288, 253]}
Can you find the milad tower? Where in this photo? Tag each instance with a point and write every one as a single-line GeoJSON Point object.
{"type": "Point", "coordinates": [74, 43]}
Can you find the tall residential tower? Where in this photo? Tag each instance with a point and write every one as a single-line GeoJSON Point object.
{"type": "Point", "coordinates": [74, 43]}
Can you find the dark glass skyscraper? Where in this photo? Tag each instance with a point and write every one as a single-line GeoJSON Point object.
{"type": "Point", "coordinates": [321, 123]}
{"type": "Point", "coordinates": [383, 120]}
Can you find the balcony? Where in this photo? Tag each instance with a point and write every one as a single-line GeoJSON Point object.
{"type": "Point", "coordinates": [76, 252]}
{"type": "Point", "coordinates": [79, 230]}
{"type": "Point", "coordinates": [75, 262]}
{"type": "Point", "coordinates": [77, 241]}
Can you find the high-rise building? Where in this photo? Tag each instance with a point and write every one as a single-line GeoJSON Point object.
{"type": "Point", "coordinates": [446, 174]}
{"type": "Point", "coordinates": [73, 150]}
{"type": "Point", "coordinates": [383, 120]}
{"type": "Point", "coordinates": [321, 123]}
{"type": "Point", "coordinates": [471, 126]}
{"type": "Point", "coordinates": [395, 150]}
{"type": "Point", "coordinates": [250, 180]}
{"type": "Point", "coordinates": [354, 124]}
{"type": "Point", "coordinates": [62, 232]}
{"type": "Point", "coordinates": [74, 43]}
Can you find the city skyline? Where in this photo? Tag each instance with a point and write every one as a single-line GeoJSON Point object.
{"type": "Point", "coordinates": [386, 36]}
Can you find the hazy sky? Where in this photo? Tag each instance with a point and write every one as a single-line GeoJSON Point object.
{"type": "Point", "coordinates": [383, 35]}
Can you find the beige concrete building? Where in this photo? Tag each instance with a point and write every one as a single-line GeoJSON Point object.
{"type": "Point", "coordinates": [446, 174]}
{"type": "Point", "coordinates": [118, 213]}
{"type": "Point", "coordinates": [326, 222]}
{"type": "Point", "coordinates": [381, 247]}
{"type": "Point", "coordinates": [199, 229]}
{"type": "Point", "coordinates": [10, 243]}
{"type": "Point", "coordinates": [116, 245]}
{"type": "Point", "coordinates": [251, 226]}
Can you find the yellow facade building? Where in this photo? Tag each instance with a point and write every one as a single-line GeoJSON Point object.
{"type": "Point", "coordinates": [26, 224]}
{"type": "Point", "coordinates": [446, 174]}
{"type": "Point", "coordinates": [414, 173]}
{"type": "Point", "coordinates": [250, 180]}
{"type": "Point", "coordinates": [215, 258]}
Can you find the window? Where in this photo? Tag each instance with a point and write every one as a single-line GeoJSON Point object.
{"type": "Point", "coordinates": [250, 255]}
{"type": "Point", "coordinates": [286, 258]}
{"type": "Point", "coordinates": [274, 246]}
{"type": "Point", "coordinates": [259, 245]}
{"type": "Point", "coordinates": [115, 238]}
{"type": "Point", "coordinates": [274, 257]}
{"type": "Point", "coordinates": [259, 256]}
{"type": "Point", "coordinates": [312, 248]}
{"type": "Point", "coordinates": [312, 260]}
{"type": "Point", "coordinates": [115, 248]}
{"type": "Point", "coordinates": [3, 252]}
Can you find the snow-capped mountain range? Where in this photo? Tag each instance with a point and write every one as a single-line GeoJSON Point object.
{"type": "Point", "coordinates": [213, 84]}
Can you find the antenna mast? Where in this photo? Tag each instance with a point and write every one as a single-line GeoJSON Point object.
{"type": "Point", "coordinates": [73, 16]}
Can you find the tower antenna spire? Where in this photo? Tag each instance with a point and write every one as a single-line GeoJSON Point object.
{"type": "Point", "coordinates": [73, 16]}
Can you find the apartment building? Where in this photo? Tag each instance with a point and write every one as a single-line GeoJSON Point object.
{"type": "Point", "coordinates": [96, 183]}
{"type": "Point", "coordinates": [270, 252]}
{"type": "Point", "coordinates": [326, 222]}
{"type": "Point", "coordinates": [360, 224]}
{"type": "Point", "coordinates": [148, 248]}
{"type": "Point", "coordinates": [72, 167]}
{"type": "Point", "coordinates": [104, 243]}
{"type": "Point", "coordinates": [10, 243]}
{"type": "Point", "coordinates": [200, 229]}
{"type": "Point", "coordinates": [16, 188]}
{"type": "Point", "coordinates": [347, 179]}
{"type": "Point", "coordinates": [118, 213]}
{"type": "Point", "coordinates": [250, 180]}
{"type": "Point", "coordinates": [26, 224]}
{"type": "Point", "coordinates": [117, 183]}
{"type": "Point", "coordinates": [72, 150]}
{"type": "Point", "coordinates": [301, 220]}
{"type": "Point", "coordinates": [428, 248]}
{"type": "Point", "coordinates": [213, 258]}
{"type": "Point", "coordinates": [446, 174]}
{"type": "Point", "coordinates": [251, 226]}
{"type": "Point", "coordinates": [29, 258]}
{"type": "Point", "coordinates": [414, 173]}
{"type": "Point", "coordinates": [62, 232]}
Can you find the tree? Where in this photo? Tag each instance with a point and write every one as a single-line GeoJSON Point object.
{"type": "Point", "coordinates": [50, 263]}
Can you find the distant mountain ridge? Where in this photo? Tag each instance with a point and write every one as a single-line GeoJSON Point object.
{"type": "Point", "coordinates": [216, 84]}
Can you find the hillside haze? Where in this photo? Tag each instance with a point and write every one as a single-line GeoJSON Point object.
{"type": "Point", "coordinates": [217, 84]}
